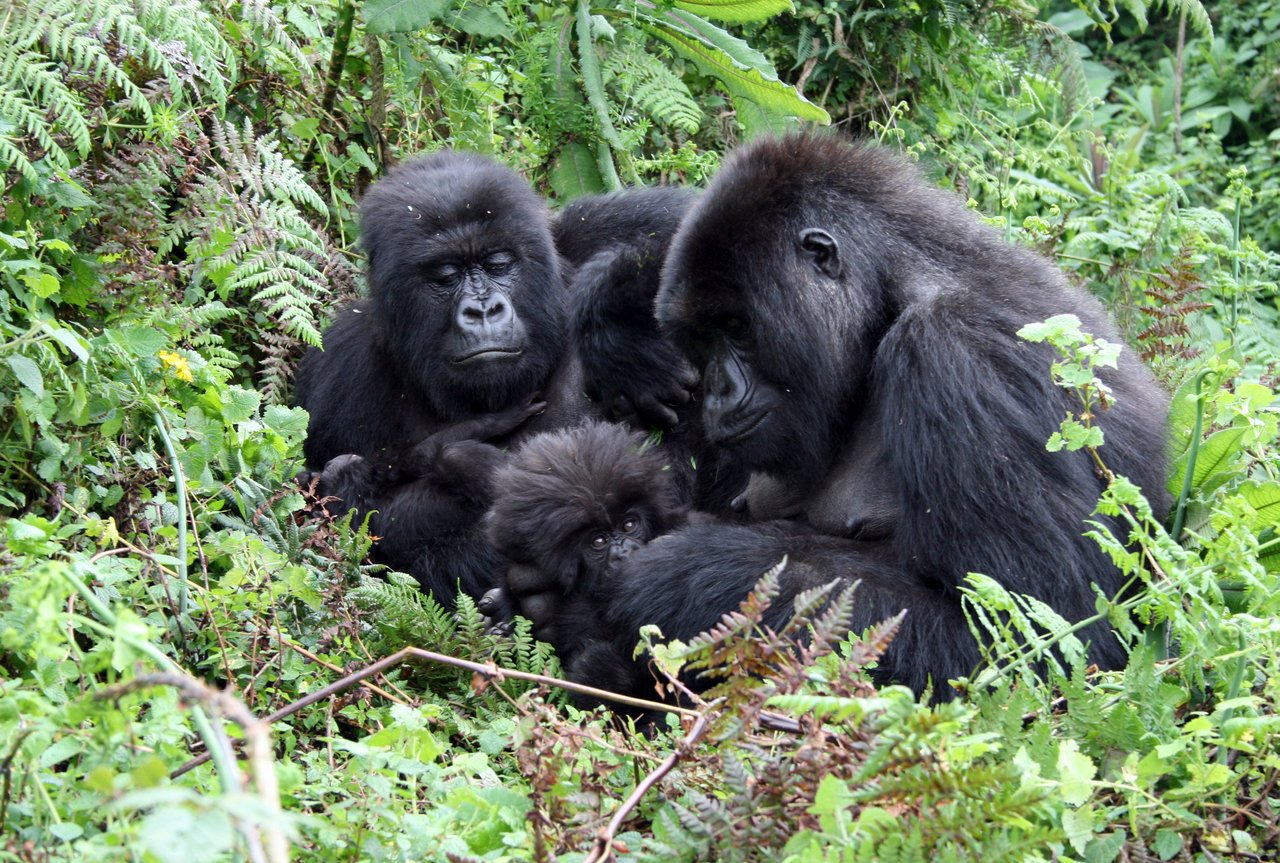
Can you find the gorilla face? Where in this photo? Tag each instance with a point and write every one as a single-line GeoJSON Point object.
{"type": "Point", "coordinates": [768, 290]}
{"type": "Point", "coordinates": [465, 280]}
{"type": "Point", "coordinates": [574, 503]}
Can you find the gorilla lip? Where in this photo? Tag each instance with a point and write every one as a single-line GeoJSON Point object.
{"type": "Point", "coordinates": [488, 355]}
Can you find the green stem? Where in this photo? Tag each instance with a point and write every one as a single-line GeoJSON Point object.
{"type": "Point", "coordinates": [1235, 267]}
{"type": "Point", "coordinates": [337, 62]}
{"type": "Point", "coordinates": [181, 491]}
{"type": "Point", "coordinates": [593, 84]}
{"type": "Point", "coordinates": [1180, 513]}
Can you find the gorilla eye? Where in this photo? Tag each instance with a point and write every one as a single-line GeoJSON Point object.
{"type": "Point", "coordinates": [499, 263]}
{"type": "Point", "coordinates": [444, 274]}
{"type": "Point", "coordinates": [734, 326]}
{"type": "Point", "coordinates": [630, 524]}
{"type": "Point", "coordinates": [599, 541]}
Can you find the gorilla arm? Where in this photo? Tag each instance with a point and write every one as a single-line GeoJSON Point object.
{"type": "Point", "coordinates": [685, 581]}
{"type": "Point", "coordinates": [617, 244]}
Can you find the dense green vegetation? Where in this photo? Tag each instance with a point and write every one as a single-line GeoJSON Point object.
{"type": "Point", "coordinates": [178, 222]}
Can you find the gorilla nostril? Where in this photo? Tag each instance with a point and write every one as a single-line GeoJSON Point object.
{"type": "Point", "coordinates": [498, 311]}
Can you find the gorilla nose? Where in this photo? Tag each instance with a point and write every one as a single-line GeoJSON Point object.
{"type": "Point", "coordinates": [480, 313]}
{"type": "Point", "coordinates": [621, 550]}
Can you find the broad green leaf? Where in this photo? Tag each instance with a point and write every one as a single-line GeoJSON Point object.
{"type": "Point", "coordinates": [744, 71]}
{"type": "Point", "coordinates": [239, 404]}
{"type": "Point", "coordinates": [1105, 848]}
{"type": "Point", "coordinates": [1075, 773]}
{"type": "Point", "coordinates": [1078, 825]}
{"type": "Point", "coordinates": [27, 373]}
{"type": "Point", "coordinates": [1216, 453]}
{"type": "Point", "coordinates": [1265, 498]}
{"type": "Point", "coordinates": [402, 16]}
{"type": "Point", "coordinates": [138, 341]}
{"type": "Point", "coordinates": [1167, 843]}
{"type": "Point", "coordinates": [70, 340]}
{"type": "Point", "coordinates": [736, 11]}
{"type": "Point", "coordinates": [485, 20]}
{"type": "Point", "coordinates": [575, 172]}
{"type": "Point", "coordinates": [43, 285]}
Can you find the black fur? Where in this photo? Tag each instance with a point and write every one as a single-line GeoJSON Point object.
{"type": "Point", "coordinates": [468, 319]}
{"type": "Point", "coordinates": [855, 329]}
{"type": "Point", "coordinates": [569, 508]}
{"type": "Point", "coordinates": [466, 322]}
{"type": "Point", "coordinates": [616, 245]}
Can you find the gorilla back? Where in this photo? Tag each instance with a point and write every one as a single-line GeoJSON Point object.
{"type": "Point", "coordinates": [855, 329]}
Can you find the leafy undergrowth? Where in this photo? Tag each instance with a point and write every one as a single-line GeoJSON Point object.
{"type": "Point", "coordinates": [193, 670]}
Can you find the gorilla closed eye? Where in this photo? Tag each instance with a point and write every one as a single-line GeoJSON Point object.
{"type": "Point", "coordinates": [499, 263]}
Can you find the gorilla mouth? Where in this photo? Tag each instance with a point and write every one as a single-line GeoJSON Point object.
{"type": "Point", "coordinates": [487, 355]}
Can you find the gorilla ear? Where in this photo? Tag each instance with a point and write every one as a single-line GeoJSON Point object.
{"type": "Point", "coordinates": [822, 250]}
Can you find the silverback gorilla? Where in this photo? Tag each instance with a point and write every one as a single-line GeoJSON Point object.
{"type": "Point", "coordinates": [464, 339]}
{"type": "Point", "coordinates": [855, 332]}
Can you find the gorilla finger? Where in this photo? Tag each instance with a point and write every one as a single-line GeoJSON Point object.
{"type": "Point", "coordinates": [686, 374]}
{"type": "Point", "coordinates": [494, 602]}
{"type": "Point", "coordinates": [676, 394]}
{"type": "Point", "coordinates": [654, 411]}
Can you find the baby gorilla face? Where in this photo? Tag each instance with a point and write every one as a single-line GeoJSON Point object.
{"type": "Point", "coordinates": [609, 543]}
{"type": "Point", "coordinates": [572, 503]}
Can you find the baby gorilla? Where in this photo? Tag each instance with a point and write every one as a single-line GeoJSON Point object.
{"type": "Point", "coordinates": [568, 506]}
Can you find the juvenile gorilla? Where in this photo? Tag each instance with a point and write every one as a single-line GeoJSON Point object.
{"type": "Point", "coordinates": [465, 330]}
{"type": "Point", "coordinates": [570, 507]}
{"type": "Point", "coordinates": [856, 333]}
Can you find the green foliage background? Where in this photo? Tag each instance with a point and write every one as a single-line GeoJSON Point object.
{"type": "Point", "coordinates": [177, 225]}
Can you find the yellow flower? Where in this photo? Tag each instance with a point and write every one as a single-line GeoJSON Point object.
{"type": "Point", "coordinates": [181, 368]}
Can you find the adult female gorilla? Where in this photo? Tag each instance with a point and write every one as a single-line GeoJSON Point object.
{"type": "Point", "coordinates": [856, 333]}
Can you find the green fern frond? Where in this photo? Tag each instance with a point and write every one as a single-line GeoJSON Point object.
{"type": "Point", "coordinates": [266, 24]}
{"type": "Point", "coordinates": [249, 237]}
{"type": "Point", "coordinates": [643, 78]}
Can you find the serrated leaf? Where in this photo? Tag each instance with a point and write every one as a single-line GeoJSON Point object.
{"type": "Point", "coordinates": [139, 341]}
{"type": "Point", "coordinates": [1265, 498]}
{"type": "Point", "coordinates": [1075, 773]}
{"type": "Point", "coordinates": [744, 71]}
{"type": "Point", "coordinates": [486, 21]}
{"type": "Point", "coordinates": [1105, 848]}
{"type": "Point", "coordinates": [736, 11]}
{"type": "Point", "coordinates": [402, 16]}
{"type": "Point", "coordinates": [27, 373]}
{"type": "Point", "coordinates": [69, 340]}
{"type": "Point", "coordinates": [575, 172]}
{"type": "Point", "coordinates": [1167, 843]}
{"type": "Point", "coordinates": [1216, 453]}
{"type": "Point", "coordinates": [239, 404]}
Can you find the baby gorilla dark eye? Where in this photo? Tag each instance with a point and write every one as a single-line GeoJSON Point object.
{"type": "Point", "coordinates": [630, 525]}
{"type": "Point", "coordinates": [599, 541]}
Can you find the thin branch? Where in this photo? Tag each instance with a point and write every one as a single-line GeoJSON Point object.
{"type": "Point", "coordinates": [486, 670]}
{"type": "Point", "coordinates": [603, 848]}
